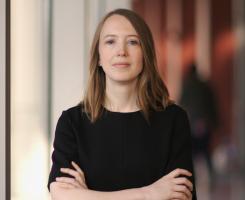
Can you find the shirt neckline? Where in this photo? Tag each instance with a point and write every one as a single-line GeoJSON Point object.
{"type": "Point", "coordinates": [121, 113]}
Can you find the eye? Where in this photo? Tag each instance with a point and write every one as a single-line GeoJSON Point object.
{"type": "Point", "coordinates": [110, 41]}
{"type": "Point", "coordinates": [133, 42]}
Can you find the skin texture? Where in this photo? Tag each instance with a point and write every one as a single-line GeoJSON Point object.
{"type": "Point", "coordinates": [122, 61]}
{"type": "Point", "coordinates": [119, 44]}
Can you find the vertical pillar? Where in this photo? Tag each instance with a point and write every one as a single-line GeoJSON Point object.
{"type": "Point", "coordinates": [203, 33]}
{"type": "Point", "coordinates": [29, 145]}
{"type": "Point", "coordinates": [174, 47]}
{"type": "Point", "coordinates": [239, 74]}
{"type": "Point", "coordinates": [69, 64]}
{"type": "Point", "coordinates": [2, 97]}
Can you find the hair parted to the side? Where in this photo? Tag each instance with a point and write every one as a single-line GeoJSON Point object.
{"type": "Point", "coordinates": [151, 91]}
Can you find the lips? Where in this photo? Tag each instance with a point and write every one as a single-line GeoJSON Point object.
{"type": "Point", "coordinates": [121, 64]}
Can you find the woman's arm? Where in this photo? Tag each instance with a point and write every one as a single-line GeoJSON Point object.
{"type": "Point", "coordinates": [60, 193]}
{"type": "Point", "coordinates": [76, 188]}
{"type": "Point", "coordinates": [171, 186]}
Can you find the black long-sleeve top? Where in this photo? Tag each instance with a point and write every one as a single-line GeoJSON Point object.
{"type": "Point", "coordinates": [122, 150]}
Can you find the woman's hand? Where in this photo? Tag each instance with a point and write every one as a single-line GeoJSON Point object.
{"type": "Point", "coordinates": [171, 186]}
{"type": "Point", "coordinates": [70, 183]}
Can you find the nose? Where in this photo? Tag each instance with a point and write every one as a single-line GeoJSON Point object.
{"type": "Point", "coordinates": [122, 50]}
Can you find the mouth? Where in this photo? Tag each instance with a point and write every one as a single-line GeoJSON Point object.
{"type": "Point", "coordinates": [121, 64]}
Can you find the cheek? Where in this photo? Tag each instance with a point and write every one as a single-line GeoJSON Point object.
{"type": "Point", "coordinates": [139, 58]}
{"type": "Point", "coordinates": [101, 55]}
{"type": "Point", "coordinates": [105, 55]}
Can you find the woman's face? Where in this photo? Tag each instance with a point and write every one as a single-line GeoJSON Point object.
{"type": "Point", "coordinates": [120, 51]}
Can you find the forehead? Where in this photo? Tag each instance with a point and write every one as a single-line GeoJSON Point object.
{"type": "Point", "coordinates": [117, 25]}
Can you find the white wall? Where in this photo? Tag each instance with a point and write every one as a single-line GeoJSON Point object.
{"type": "Point", "coordinates": [2, 99]}
{"type": "Point", "coordinates": [67, 55]}
{"type": "Point", "coordinates": [29, 145]}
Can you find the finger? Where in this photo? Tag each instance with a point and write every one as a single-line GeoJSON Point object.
{"type": "Point", "coordinates": [184, 181]}
{"type": "Point", "coordinates": [183, 189]}
{"type": "Point", "coordinates": [67, 180]}
{"type": "Point", "coordinates": [77, 167]}
{"type": "Point", "coordinates": [81, 182]}
{"type": "Point", "coordinates": [84, 185]}
{"type": "Point", "coordinates": [79, 170]}
{"type": "Point", "coordinates": [66, 185]}
{"type": "Point", "coordinates": [178, 172]}
{"type": "Point", "coordinates": [73, 173]}
{"type": "Point", "coordinates": [72, 181]}
{"type": "Point", "coordinates": [179, 196]}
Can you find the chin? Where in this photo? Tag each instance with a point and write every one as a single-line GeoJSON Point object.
{"type": "Point", "coordinates": [124, 80]}
{"type": "Point", "coordinates": [122, 77]}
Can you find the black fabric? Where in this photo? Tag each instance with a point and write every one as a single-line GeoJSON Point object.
{"type": "Point", "coordinates": [122, 150]}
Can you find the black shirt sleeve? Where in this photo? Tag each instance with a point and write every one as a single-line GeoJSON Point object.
{"type": "Point", "coordinates": [181, 148]}
{"type": "Point", "coordinates": [65, 148]}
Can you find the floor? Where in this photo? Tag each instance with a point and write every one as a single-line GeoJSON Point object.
{"type": "Point", "coordinates": [226, 183]}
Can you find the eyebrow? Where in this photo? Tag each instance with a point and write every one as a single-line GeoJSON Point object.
{"type": "Point", "coordinates": [113, 35]}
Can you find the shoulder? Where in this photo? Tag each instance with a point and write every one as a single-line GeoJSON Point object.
{"type": "Point", "coordinates": [175, 108]}
{"type": "Point", "coordinates": [73, 113]}
{"type": "Point", "coordinates": [74, 110]}
{"type": "Point", "coordinates": [172, 110]}
{"type": "Point", "coordinates": [179, 113]}
{"type": "Point", "coordinates": [72, 118]}
{"type": "Point", "coordinates": [170, 115]}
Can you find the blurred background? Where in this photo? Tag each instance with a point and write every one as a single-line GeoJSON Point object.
{"type": "Point", "coordinates": [201, 57]}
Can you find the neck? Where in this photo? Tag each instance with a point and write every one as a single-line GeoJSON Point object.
{"type": "Point", "coordinates": [121, 97]}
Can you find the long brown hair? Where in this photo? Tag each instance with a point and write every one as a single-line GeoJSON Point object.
{"type": "Point", "coordinates": [151, 90]}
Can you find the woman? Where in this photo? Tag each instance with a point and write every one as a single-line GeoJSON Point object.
{"type": "Point", "coordinates": [126, 140]}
